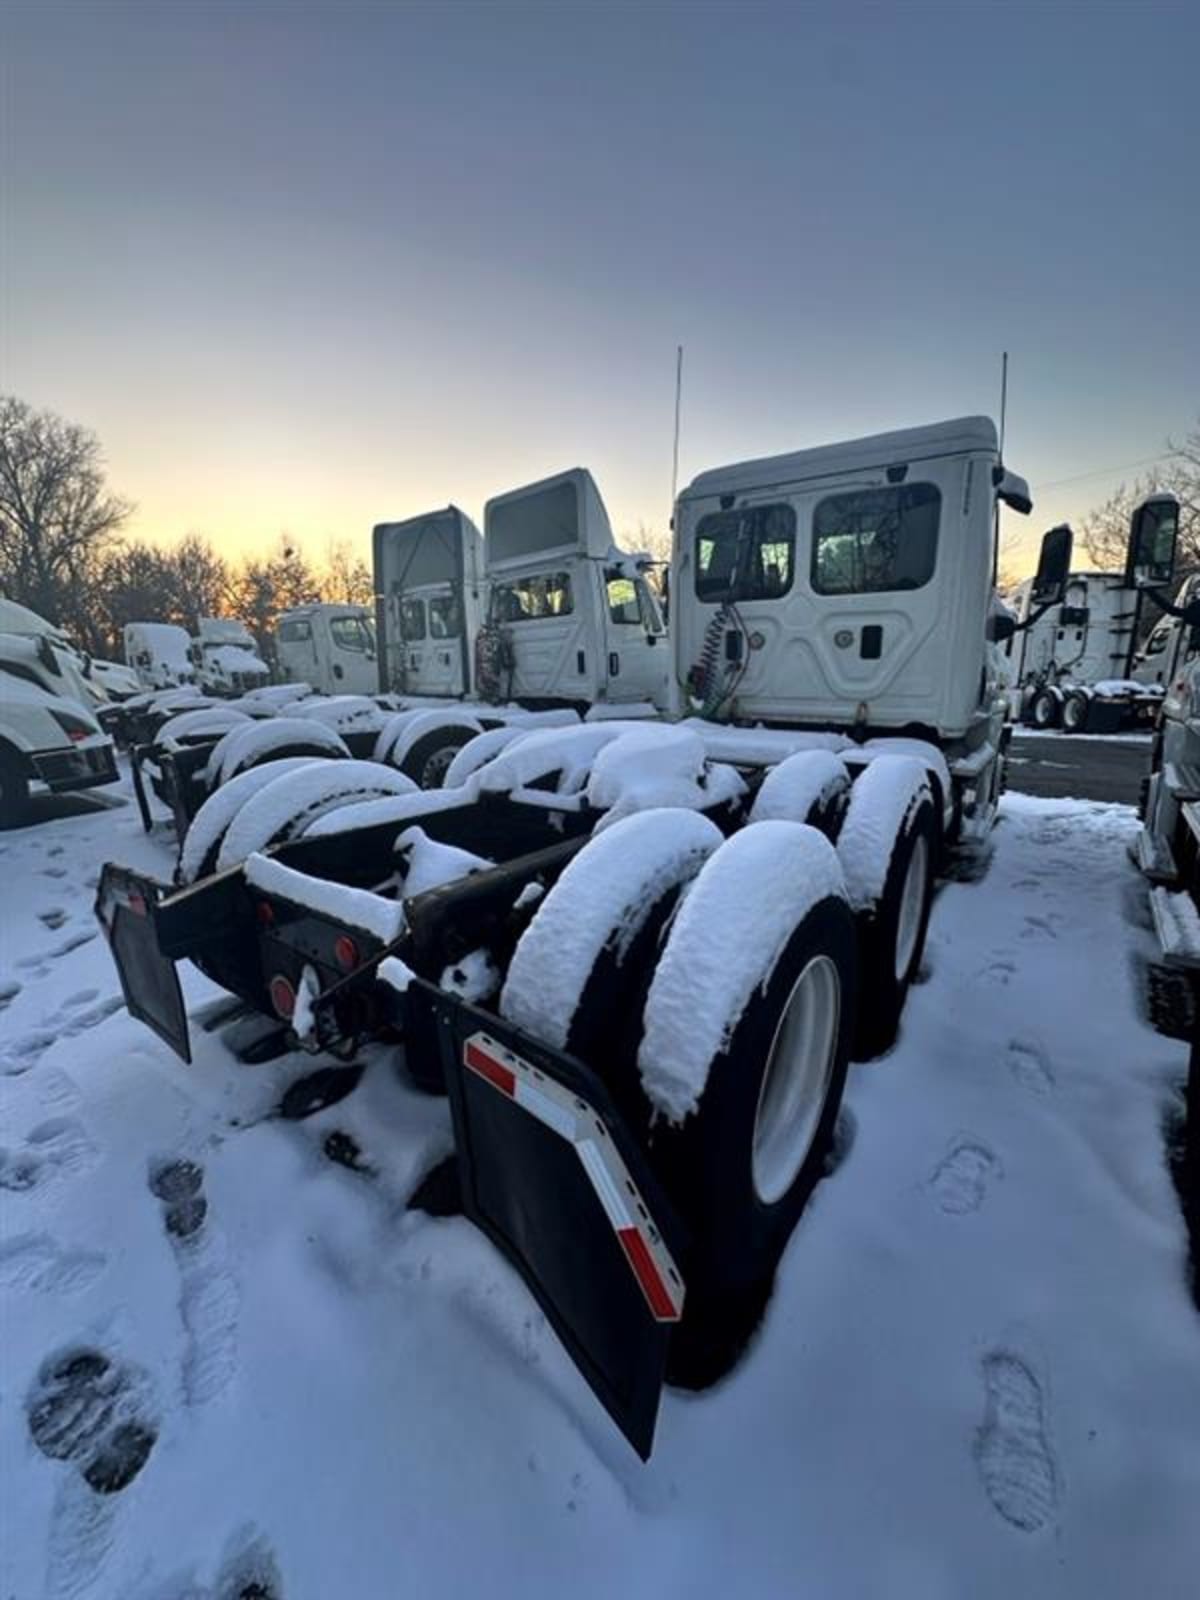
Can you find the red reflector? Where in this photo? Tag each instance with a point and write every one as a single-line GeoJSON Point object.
{"type": "Point", "coordinates": [647, 1274]}
{"type": "Point", "coordinates": [136, 904]}
{"type": "Point", "coordinates": [77, 735]}
{"type": "Point", "coordinates": [265, 912]}
{"type": "Point", "coordinates": [283, 996]}
{"type": "Point", "coordinates": [488, 1067]}
{"type": "Point", "coordinates": [345, 952]}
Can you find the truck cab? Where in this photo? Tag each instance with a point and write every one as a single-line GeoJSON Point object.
{"type": "Point", "coordinates": [160, 654]}
{"type": "Point", "coordinates": [226, 658]}
{"type": "Point", "coordinates": [328, 646]}
{"type": "Point", "coordinates": [849, 588]}
{"type": "Point", "coordinates": [429, 602]}
{"type": "Point", "coordinates": [571, 618]}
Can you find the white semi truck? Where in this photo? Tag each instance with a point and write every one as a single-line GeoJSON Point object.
{"type": "Point", "coordinates": [638, 955]}
{"type": "Point", "coordinates": [541, 610]}
{"type": "Point", "coordinates": [160, 654]}
{"type": "Point", "coordinates": [1077, 668]}
{"type": "Point", "coordinates": [329, 646]}
{"type": "Point", "coordinates": [51, 738]}
{"type": "Point", "coordinates": [430, 598]}
{"type": "Point", "coordinates": [226, 658]}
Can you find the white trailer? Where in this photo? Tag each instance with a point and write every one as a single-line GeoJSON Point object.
{"type": "Point", "coordinates": [429, 603]}
{"type": "Point", "coordinates": [331, 647]}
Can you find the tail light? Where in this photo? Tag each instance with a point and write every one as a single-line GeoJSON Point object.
{"type": "Point", "coordinates": [283, 996]}
{"type": "Point", "coordinates": [75, 729]}
{"type": "Point", "coordinates": [345, 952]}
{"type": "Point", "coordinates": [265, 912]}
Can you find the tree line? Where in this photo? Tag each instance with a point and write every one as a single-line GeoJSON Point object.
{"type": "Point", "coordinates": [63, 552]}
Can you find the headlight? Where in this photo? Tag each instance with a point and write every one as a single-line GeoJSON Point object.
{"type": "Point", "coordinates": [74, 727]}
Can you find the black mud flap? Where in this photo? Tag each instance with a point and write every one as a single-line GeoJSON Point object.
{"type": "Point", "coordinates": [136, 756]}
{"type": "Point", "coordinates": [554, 1179]}
{"type": "Point", "coordinates": [126, 902]}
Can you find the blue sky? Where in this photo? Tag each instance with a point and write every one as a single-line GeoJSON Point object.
{"type": "Point", "coordinates": [308, 266]}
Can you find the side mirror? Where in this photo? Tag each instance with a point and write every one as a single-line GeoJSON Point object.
{"type": "Point", "coordinates": [1153, 531]}
{"type": "Point", "coordinates": [1013, 490]}
{"type": "Point", "coordinates": [1054, 566]}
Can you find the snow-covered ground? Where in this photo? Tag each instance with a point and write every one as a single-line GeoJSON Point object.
{"type": "Point", "coordinates": [978, 1376]}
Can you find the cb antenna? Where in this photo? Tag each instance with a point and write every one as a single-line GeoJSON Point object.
{"type": "Point", "coordinates": [1003, 399]}
{"type": "Point", "coordinates": [675, 451]}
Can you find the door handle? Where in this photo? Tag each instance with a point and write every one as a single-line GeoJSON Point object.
{"type": "Point", "coordinates": [614, 664]}
{"type": "Point", "coordinates": [337, 671]}
{"type": "Point", "coordinates": [870, 642]}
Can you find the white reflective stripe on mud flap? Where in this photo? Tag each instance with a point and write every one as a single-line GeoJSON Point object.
{"type": "Point", "coordinates": [564, 1113]}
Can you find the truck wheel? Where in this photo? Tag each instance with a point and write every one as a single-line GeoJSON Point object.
{"type": "Point", "coordinates": [1045, 709]}
{"type": "Point", "coordinates": [206, 832]}
{"type": "Point", "coordinates": [891, 890]}
{"type": "Point", "coordinates": [767, 1073]}
{"type": "Point", "coordinates": [1076, 708]}
{"type": "Point", "coordinates": [580, 973]}
{"type": "Point", "coordinates": [428, 762]}
{"type": "Point", "coordinates": [14, 789]}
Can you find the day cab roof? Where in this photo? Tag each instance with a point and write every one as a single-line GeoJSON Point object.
{"type": "Point", "coordinates": [556, 516]}
{"type": "Point", "coordinates": [958, 436]}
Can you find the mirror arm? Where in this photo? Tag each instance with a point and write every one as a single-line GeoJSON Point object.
{"type": "Point", "coordinates": [1003, 628]}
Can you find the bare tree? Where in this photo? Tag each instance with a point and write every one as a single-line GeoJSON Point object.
{"type": "Point", "coordinates": [347, 577]}
{"type": "Point", "coordinates": [1105, 530]}
{"type": "Point", "coordinates": [56, 513]}
{"type": "Point", "coordinates": [200, 583]}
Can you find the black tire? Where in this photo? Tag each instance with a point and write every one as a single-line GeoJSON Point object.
{"type": "Point", "coordinates": [428, 762]}
{"type": "Point", "coordinates": [1075, 712]}
{"type": "Point", "coordinates": [885, 978]}
{"type": "Point", "coordinates": [1045, 709]}
{"type": "Point", "coordinates": [14, 789]}
{"type": "Point", "coordinates": [707, 1162]}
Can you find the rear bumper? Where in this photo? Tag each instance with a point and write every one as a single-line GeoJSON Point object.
{"type": "Point", "coordinates": [81, 767]}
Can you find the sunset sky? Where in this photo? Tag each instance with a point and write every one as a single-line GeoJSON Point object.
{"type": "Point", "coordinates": [308, 266]}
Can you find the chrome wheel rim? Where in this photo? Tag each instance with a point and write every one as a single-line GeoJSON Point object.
{"type": "Point", "coordinates": [796, 1082]}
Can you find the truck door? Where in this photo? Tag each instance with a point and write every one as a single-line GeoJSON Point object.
{"type": "Point", "coordinates": [297, 652]}
{"type": "Point", "coordinates": [550, 621]}
{"type": "Point", "coordinates": [350, 648]}
{"type": "Point", "coordinates": [413, 635]}
{"type": "Point", "coordinates": [636, 655]}
{"type": "Point", "coordinates": [445, 657]}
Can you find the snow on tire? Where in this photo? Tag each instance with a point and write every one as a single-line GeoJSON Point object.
{"type": "Point", "coordinates": [285, 808]}
{"type": "Point", "coordinates": [203, 722]}
{"type": "Point", "coordinates": [248, 745]}
{"type": "Point", "coordinates": [888, 851]}
{"type": "Point", "coordinates": [479, 750]}
{"type": "Point", "coordinates": [744, 1051]}
{"type": "Point", "coordinates": [579, 974]}
{"type": "Point", "coordinates": [202, 842]}
{"type": "Point", "coordinates": [812, 786]}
